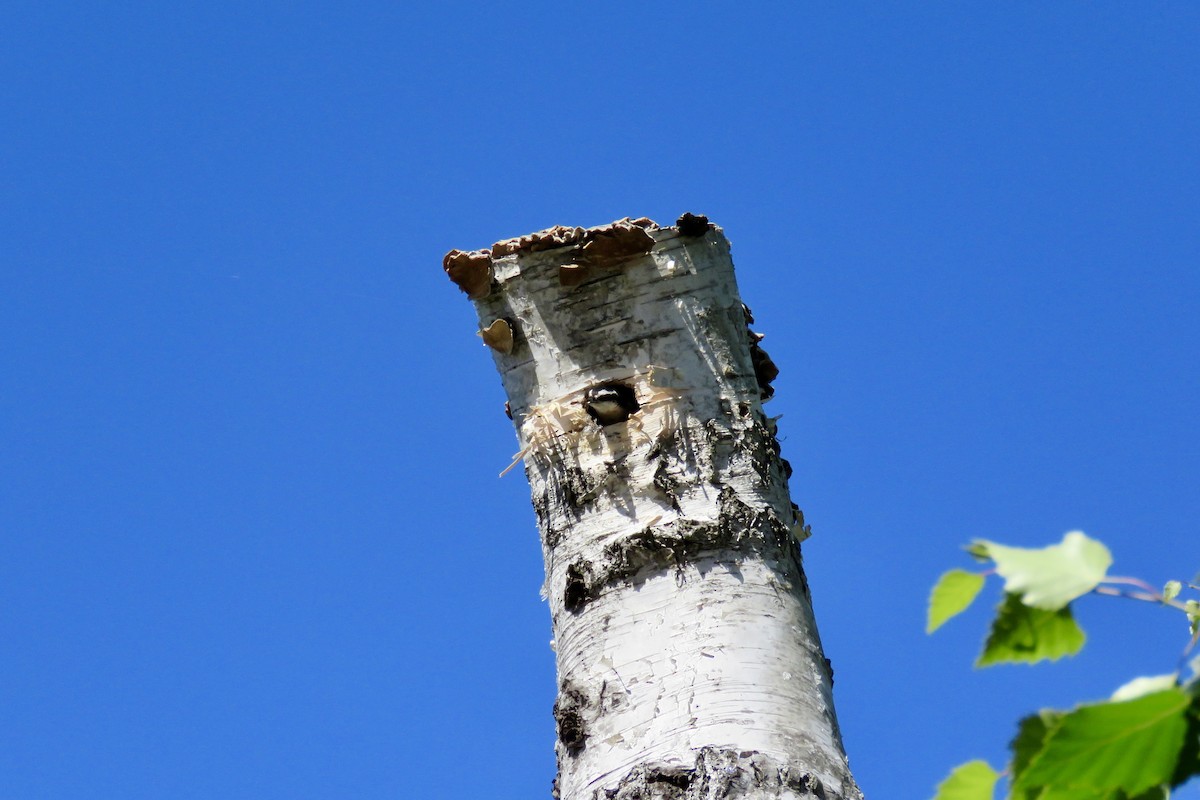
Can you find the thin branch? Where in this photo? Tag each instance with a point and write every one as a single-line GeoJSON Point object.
{"type": "Point", "coordinates": [1114, 592]}
{"type": "Point", "coordinates": [1148, 597]}
{"type": "Point", "coordinates": [1138, 582]}
{"type": "Point", "coordinates": [1187, 651]}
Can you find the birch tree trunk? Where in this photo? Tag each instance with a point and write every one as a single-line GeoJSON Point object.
{"type": "Point", "coordinates": [689, 664]}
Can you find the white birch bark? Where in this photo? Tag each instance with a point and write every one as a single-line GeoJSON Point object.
{"type": "Point", "coordinates": [689, 664]}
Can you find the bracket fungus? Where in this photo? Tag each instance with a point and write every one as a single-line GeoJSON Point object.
{"type": "Point", "coordinates": [570, 275]}
{"type": "Point", "coordinates": [612, 244]}
{"type": "Point", "coordinates": [498, 336]}
{"type": "Point", "coordinates": [548, 239]}
{"type": "Point", "coordinates": [471, 271]}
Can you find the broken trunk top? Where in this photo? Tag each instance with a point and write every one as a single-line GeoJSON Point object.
{"type": "Point", "coordinates": [601, 246]}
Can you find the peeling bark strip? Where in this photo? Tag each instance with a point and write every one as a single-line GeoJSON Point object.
{"type": "Point", "coordinates": [688, 658]}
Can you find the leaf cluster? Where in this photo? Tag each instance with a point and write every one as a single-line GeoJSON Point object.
{"type": "Point", "coordinates": [1137, 745]}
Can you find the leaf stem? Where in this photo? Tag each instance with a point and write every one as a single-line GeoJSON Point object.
{"type": "Point", "coordinates": [1138, 582]}
{"type": "Point", "coordinates": [1151, 596]}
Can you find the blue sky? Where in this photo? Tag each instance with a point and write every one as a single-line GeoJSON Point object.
{"type": "Point", "coordinates": [254, 543]}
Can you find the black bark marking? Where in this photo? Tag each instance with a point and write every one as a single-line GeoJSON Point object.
{"type": "Point", "coordinates": [569, 487]}
{"type": "Point", "coordinates": [674, 776]}
{"type": "Point", "coordinates": [667, 485]}
{"type": "Point", "coordinates": [578, 591]}
{"type": "Point", "coordinates": [720, 775]}
{"type": "Point", "coordinates": [551, 535]}
{"type": "Point", "coordinates": [690, 224]}
{"type": "Point", "coordinates": [765, 371]}
{"type": "Point", "coordinates": [568, 718]}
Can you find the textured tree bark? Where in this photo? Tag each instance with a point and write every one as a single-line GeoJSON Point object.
{"type": "Point", "coordinates": [689, 664]}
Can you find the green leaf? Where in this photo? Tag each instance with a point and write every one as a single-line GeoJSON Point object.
{"type": "Point", "coordinates": [1192, 609]}
{"type": "Point", "coordinates": [978, 551]}
{"type": "Point", "coordinates": [1155, 793]}
{"type": "Point", "coordinates": [975, 780]}
{"type": "Point", "coordinates": [1143, 686]}
{"type": "Point", "coordinates": [1021, 634]}
{"type": "Point", "coordinates": [1188, 765]}
{"type": "Point", "coordinates": [952, 594]}
{"type": "Point", "coordinates": [1171, 590]}
{"type": "Point", "coordinates": [1056, 793]}
{"type": "Point", "coordinates": [1131, 747]}
{"type": "Point", "coordinates": [1051, 577]}
{"type": "Point", "coordinates": [1053, 793]}
{"type": "Point", "coordinates": [1031, 735]}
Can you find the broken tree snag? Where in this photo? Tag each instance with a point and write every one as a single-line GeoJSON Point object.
{"type": "Point", "coordinates": [688, 658]}
{"type": "Point", "coordinates": [602, 246]}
